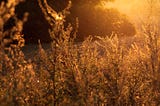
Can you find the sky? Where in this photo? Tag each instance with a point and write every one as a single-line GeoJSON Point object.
{"type": "Point", "coordinates": [134, 9]}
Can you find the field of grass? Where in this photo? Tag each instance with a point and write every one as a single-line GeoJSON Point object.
{"type": "Point", "coordinates": [108, 71]}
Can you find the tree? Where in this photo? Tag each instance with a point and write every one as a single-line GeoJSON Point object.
{"type": "Point", "coordinates": [102, 22]}
{"type": "Point", "coordinates": [97, 21]}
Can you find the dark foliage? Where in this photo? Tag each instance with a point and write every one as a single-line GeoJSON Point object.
{"type": "Point", "coordinates": [89, 18]}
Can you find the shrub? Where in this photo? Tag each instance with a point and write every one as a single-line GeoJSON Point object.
{"type": "Point", "coordinates": [94, 72]}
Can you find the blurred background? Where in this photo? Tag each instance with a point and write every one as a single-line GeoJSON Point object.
{"type": "Point", "coordinates": [96, 17]}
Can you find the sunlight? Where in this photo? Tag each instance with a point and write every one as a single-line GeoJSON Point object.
{"type": "Point", "coordinates": [130, 8]}
{"type": "Point", "coordinates": [136, 10]}
{"type": "Point", "coordinates": [109, 67]}
{"type": "Point", "coordinates": [58, 17]}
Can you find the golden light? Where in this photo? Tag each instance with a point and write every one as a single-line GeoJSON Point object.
{"type": "Point", "coordinates": [132, 8]}
{"type": "Point", "coordinates": [58, 17]}
{"type": "Point", "coordinates": [136, 10]}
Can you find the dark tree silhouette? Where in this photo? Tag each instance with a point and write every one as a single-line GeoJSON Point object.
{"type": "Point", "coordinates": [36, 27]}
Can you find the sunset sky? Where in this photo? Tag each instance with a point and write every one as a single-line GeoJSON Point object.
{"type": "Point", "coordinates": [134, 9]}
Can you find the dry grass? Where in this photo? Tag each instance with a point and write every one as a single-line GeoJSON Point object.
{"type": "Point", "coordinates": [100, 73]}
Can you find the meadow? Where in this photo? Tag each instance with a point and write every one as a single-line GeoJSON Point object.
{"type": "Point", "coordinates": [100, 71]}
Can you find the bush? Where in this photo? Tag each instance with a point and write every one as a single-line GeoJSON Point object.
{"type": "Point", "coordinates": [101, 72]}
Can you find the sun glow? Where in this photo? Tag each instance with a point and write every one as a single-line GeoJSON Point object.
{"type": "Point", "coordinates": [58, 17]}
{"type": "Point", "coordinates": [128, 7]}
{"type": "Point", "coordinates": [135, 8]}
